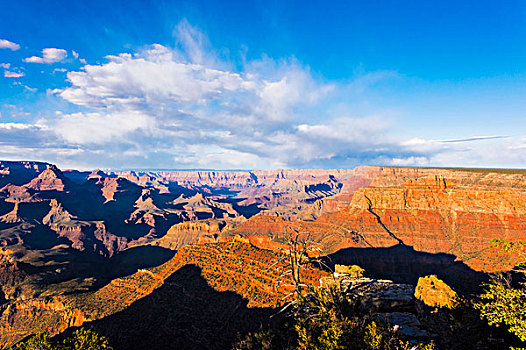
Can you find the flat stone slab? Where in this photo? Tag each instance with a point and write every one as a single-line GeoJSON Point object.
{"type": "Point", "coordinates": [405, 324]}
{"type": "Point", "coordinates": [380, 295]}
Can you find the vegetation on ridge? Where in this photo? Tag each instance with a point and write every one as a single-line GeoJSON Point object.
{"type": "Point", "coordinates": [81, 339]}
{"type": "Point", "coordinates": [504, 303]}
{"type": "Point", "coordinates": [325, 319]}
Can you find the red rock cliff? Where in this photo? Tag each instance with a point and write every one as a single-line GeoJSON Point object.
{"type": "Point", "coordinates": [435, 210]}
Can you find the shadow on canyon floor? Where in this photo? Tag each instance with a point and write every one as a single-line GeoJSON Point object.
{"type": "Point", "coordinates": [64, 270]}
{"type": "Point", "coordinates": [403, 264]}
{"type": "Point", "coordinates": [129, 261]}
{"type": "Point", "coordinates": [121, 264]}
{"type": "Point", "coordinates": [185, 313]}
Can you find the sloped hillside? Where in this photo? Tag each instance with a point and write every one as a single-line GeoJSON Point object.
{"type": "Point", "coordinates": [235, 266]}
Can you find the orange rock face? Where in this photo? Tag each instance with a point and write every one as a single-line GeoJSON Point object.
{"type": "Point", "coordinates": [433, 210]}
{"type": "Point", "coordinates": [48, 180]}
{"type": "Point", "coordinates": [190, 232]}
{"type": "Point", "coordinates": [437, 214]}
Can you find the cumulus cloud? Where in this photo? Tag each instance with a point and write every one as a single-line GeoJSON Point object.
{"type": "Point", "coordinates": [38, 142]}
{"type": "Point", "coordinates": [187, 105]}
{"type": "Point", "coordinates": [22, 135]}
{"type": "Point", "coordinates": [49, 55]}
{"type": "Point", "coordinates": [96, 128]}
{"type": "Point", "coordinates": [183, 103]}
{"type": "Point", "coordinates": [9, 74]}
{"type": "Point", "coordinates": [6, 44]}
{"type": "Point", "coordinates": [15, 126]}
{"type": "Point", "coordinates": [162, 100]}
{"type": "Point", "coordinates": [153, 75]}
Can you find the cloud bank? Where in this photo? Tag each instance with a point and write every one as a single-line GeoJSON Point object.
{"type": "Point", "coordinates": [162, 100]}
{"type": "Point", "coordinates": [185, 107]}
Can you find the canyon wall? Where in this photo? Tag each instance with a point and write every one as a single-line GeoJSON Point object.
{"type": "Point", "coordinates": [452, 211]}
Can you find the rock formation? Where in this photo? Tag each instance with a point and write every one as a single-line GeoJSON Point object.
{"type": "Point", "coordinates": [48, 180]}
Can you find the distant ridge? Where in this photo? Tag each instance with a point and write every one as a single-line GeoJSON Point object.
{"type": "Point", "coordinates": [468, 169]}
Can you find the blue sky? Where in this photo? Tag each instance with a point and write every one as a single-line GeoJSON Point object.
{"type": "Point", "coordinates": [263, 84]}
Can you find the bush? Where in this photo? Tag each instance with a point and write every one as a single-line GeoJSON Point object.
{"type": "Point", "coordinates": [354, 271]}
{"type": "Point", "coordinates": [86, 339]}
{"type": "Point", "coordinates": [81, 339]}
{"type": "Point", "coordinates": [325, 320]}
{"type": "Point", "coordinates": [261, 340]}
{"type": "Point", "coordinates": [435, 293]}
{"type": "Point", "coordinates": [39, 341]}
{"type": "Point", "coordinates": [502, 303]}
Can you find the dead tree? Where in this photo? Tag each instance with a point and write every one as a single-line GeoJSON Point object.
{"type": "Point", "coordinates": [295, 259]}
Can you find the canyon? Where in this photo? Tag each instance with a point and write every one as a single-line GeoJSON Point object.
{"type": "Point", "coordinates": [84, 247]}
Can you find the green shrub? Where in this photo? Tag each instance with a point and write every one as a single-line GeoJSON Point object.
{"type": "Point", "coordinates": [503, 304]}
{"type": "Point", "coordinates": [81, 339]}
{"type": "Point", "coordinates": [86, 339]}
{"type": "Point", "coordinates": [39, 341]}
{"type": "Point", "coordinates": [325, 320]}
{"type": "Point", "coordinates": [354, 271]}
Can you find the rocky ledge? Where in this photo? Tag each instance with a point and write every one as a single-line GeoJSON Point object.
{"type": "Point", "coordinates": [388, 302]}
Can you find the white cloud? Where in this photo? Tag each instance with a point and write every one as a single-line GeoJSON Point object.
{"type": "Point", "coordinates": [95, 128]}
{"type": "Point", "coordinates": [17, 126]}
{"type": "Point", "coordinates": [6, 44]}
{"type": "Point", "coordinates": [150, 76]}
{"type": "Point", "coordinates": [49, 55]}
{"type": "Point", "coordinates": [474, 138]}
{"type": "Point", "coordinates": [187, 107]}
{"type": "Point", "coordinates": [5, 65]}
{"type": "Point", "coordinates": [476, 151]}
{"type": "Point", "coordinates": [22, 139]}
{"type": "Point", "coordinates": [409, 161]}
{"type": "Point", "coordinates": [53, 92]}
{"type": "Point", "coordinates": [194, 43]}
{"type": "Point", "coordinates": [504, 152]}
{"type": "Point", "coordinates": [9, 74]}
